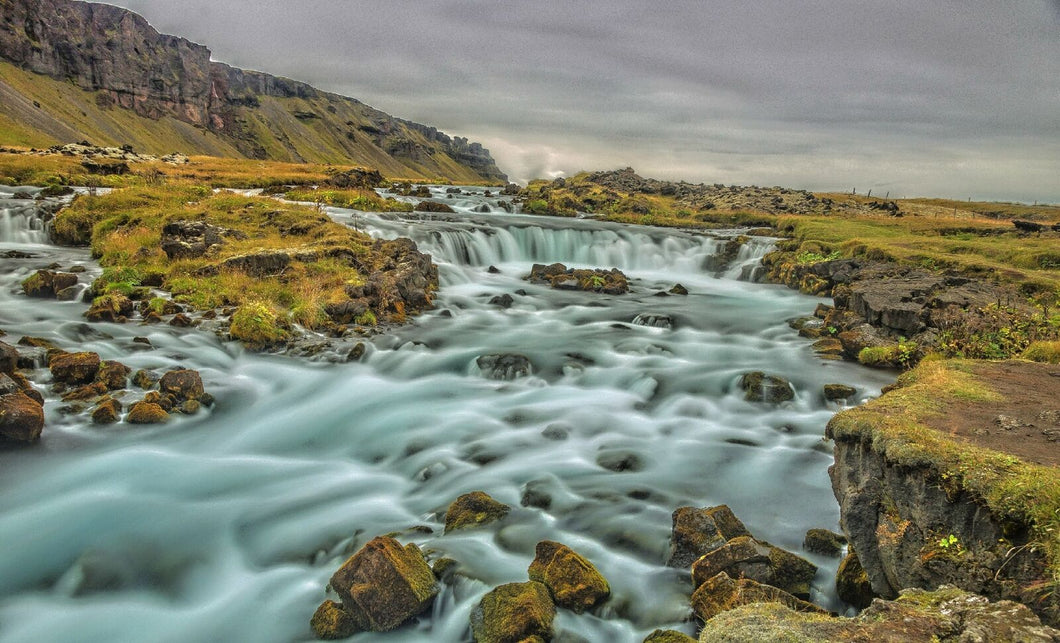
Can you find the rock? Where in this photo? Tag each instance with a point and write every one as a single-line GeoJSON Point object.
{"type": "Point", "coordinates": [105, 168]}
{"type": "Point", "coordinates": [21, 417]}
{"type": "Point", "coordinates": [331, 622]}
{"type": "Point", "coordinates": [512, 613]}
{"type": "Point", "coordinates": [191, 239]}
{"type": "Point", "coordinates": [86, 392]}
{"type": "Point", "coordinates": [346, 312]}
{"type": "Point", "coordinates": [852, 583]}
{"type": "Point", "coordinates": [259, 264]}
{"type": "Point", "coordinates": [557, 275]}
{"type": "Point", "coordinates": [145, 379]}
{"type": "Point", "coordinates": [432, 206]}
{"type": "Point", "coordinates": [356, 178]}
{"type": "Point", "coordinates": [8, 385]}
{"type": "Point", "coordinates": [759, 387]}
{"type": "Point", "coordinates": [696, 532]}
{"type": "Point", "coordinates": [668, 636]}
{"type": "Point", "coordinates": [183, 384]}
{"type": "Point", "coordinates": [147, 413]}
{"type": "Point", "coordinates": [824, 542]}
{"type": "Point", "coordinates": [745, 557]}
{"type": "Point", "coordinates": [653, 320]}
{"type": "Point", "coordinates": [620, 461]}
{"type": "Point", "coordinates": [110, 308]}
{"type": "Point", "coordinates": [504, 366]}
{"type": "Point", "coordinates": [721, 593]}
{"type": "Point", "coordinates": [8, 358]}
{"type": "Point", "coordinates": [46, 283]}
{"type": "Point", "coordinates": [472, 510]}
{"type": "Point", "coordinates": [113, 374]}
{"type": "Point", "coordinates": [180, 320]}
{"type": "Point", "coordinates": [384, 584]}
{"type": "Point", "coordinates": [74, 368]}
{"type": "Point", "coordinates": [504, 301]}
{"type": "Point", "coordinates": [108, 411]}
{"type": "Point", "coordinates": [356, 352]}
{"type": "Point", "coordinates": [838, 392]}
{"type": "Point", "coordinates": [678, 289]}
{"type": "Point", "coordinates": [573, 581]}
{"type": "Point", "coordinates": [828, 346]}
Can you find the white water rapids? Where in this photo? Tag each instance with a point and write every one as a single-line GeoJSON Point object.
{"type": "Point", "coordinates": [227, 525]}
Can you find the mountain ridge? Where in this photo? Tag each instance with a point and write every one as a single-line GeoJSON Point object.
{"type": "Point", "coordinates": [117, 61]}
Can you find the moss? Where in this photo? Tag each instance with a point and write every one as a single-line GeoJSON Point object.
{"type": "Point", "coordinates": [367, 318]}
{"type": "Point", "coordinates": [147, 413]}
{"type": "Point", "coordinates": [472, 510]}
{"type": "Point", "coordinates": [257, 326]}
{"type": "Point", "coordinates": [331, 622]}
{"type": "Point", "coordinates": [514, 612]}
{"type": "Point", "coordinates": [573, 581]}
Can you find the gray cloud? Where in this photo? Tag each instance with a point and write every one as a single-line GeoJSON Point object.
{"type": "Point", "coordinates": [947, 98]}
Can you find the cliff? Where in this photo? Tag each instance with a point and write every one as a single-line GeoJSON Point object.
{"type": "Point", "coordinates": [83, 70]}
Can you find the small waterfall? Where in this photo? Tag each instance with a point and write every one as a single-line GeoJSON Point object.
{"type": "Point", "coordinates": [22, 225]}
{"type": "Point", "coordinates": [748, 263]}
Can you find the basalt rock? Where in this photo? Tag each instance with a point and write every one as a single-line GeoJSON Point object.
{"type": "Point", "coordinates": [557, 275]}
{"type": "Point", "coordinates": [47, 284]}
{"type": "Point", "coordinates": [852, 583]}
{"type": "Point", "coordinates": [512, 613]}
{"type": "Point", "coordinates": [745, 557]}
{"type": "Point", "coordinates": [433, 206]}
{"type": "Point", "coordinates": [21, 417]}
{"type": "Point", "coordinates": [472, 510]}
{"type": "Point", "coordinates": [504, 366]}
{"type": "Point", "coordinates": [384, 584]}
{"type": "Point", "coordinates": [74, 368]}
{"type": "Point", "coordinates": [760, 387]}
{"type": "Point", "coordinates": [573, 581]}
{"type": "Point", "coordinates": [721, 593]}
{"type": "Point", "coordinates": [700, 531]}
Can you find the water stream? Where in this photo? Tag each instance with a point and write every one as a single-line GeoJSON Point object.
{"type": "Point", "coordinates": [228, 524]}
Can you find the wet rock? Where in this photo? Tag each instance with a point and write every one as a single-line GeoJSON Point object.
{"type": "Point", "coordinates": [698, 531]}
{"type": "Point", "coordinates": [346, 312]}
{"type": "Point", "coordinates": [384, 584]}
{"type": "Point", "coordinates": [824, 542]}
{"type": "Point", "coordinates": [721, 593]}
{"type": "Point", "coordinates": [110, 308]}
{"type": "Point", "coordinates": [183, 384]}
{"type": "Point", "coordinates": [653, 320]}
{"type": "Point", "coordinates": [432, 206]}
{"type": "Point", "coordinates": [504, 301]}
{"type": "Point", "coordinates": [46, 283]}
{"type": "Point", "coordinates": [356, 352]}
{"type": "Point", "coordinates": [573, 581]}
{"type": "Point", "coordinates": [86, 392]}
{"type": "Point", "coordinates": [145, 379]}
{"type": "Point", "coordinates": [745, 557]}
{"type": "Point", "coordinates": [828, 346]}
{"type": "Point", "coordinates": [113, 375]}
{"type": "Point", "coordinates": [512, 613]}
{"type": "Point", "coordinates": [678, 289]}
{"type": "Point", "coordinates": [147, 413]}
{"type": "Point", "coordinates": [8, 385]}
{"type": "Point", "coordinates": [759, 387]}
{"type": "Point", "coordinates": [8, 358]}
{"type": "Point", "coordinates": [504, 366]}
{"type": "Point", "coordinates": [472, 510]}
{"type": "Point", "coordinates": [21, 417]}
{"type": "Point", "coordinates": [331, 622]}
{"type": "Point", "coordinates": [852, 583]}
{"type": "Point", "coordinates": [620, 461]}
{"type": "Point", "coordinates": [259, 264]}
{"type": "Point", "coordinates": [668, 636]}
{"type": "Point", "coordinates": [108, 411]}
{"type": "Point", "coordinates": [180, 320]}
{"type": "Point", "coordinates": [557, 275]}
{"type": "Point", "coordinates": [556, 432]}
{"type": "Point", "coordinates": [74, 368]}
{"type": "Point", "coordinates": [838, 392]}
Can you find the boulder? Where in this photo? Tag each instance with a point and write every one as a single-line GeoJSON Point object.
{"type": "Point", "coordinates": [745, 557]}
{"type": "Point", "coordinates": [190, 239]}
{"type": "Point", "coordinates": [182, 384]}
{"type": "Point", "coordinates": [46, 283]}
{"type": "Point", "coordinates": [472, 510]}
{"type": "Point", "coordinates": [108, 411]}
{"type": "Point", "coordinates": [838, 392]}
{"type": "Point", "coordinates": [668, 636]}
{"type": "Point", "coordinates": [331, 622]}
{"type": "Point", "coordinates": [504, 366]}
{"type": "Point", "coordinates": [653, 320]}
{"type": "Point", "coordinates": [384, 584]}
{"type": "Point", "coordinates": [678, 289]}
{"type": "Point", "coordinates": [699, 531]}
{"type": "Point", "coordinates": [110, 308]}
{"type": "Point", "coordinates": [824, 542]}
{"type": "Point", "coordinates": [147, 413]}
{"type": "Point", "coordinates": [144, 379]}
{"type": "Point", "coordinates": [512, 613]}
{"type": "Point", "coordinates": [21, 417]}
{"type": "Point", "coordinates": [8, 385]}
{"type": "Point", "coordinates": [259, 264]}
{"type": "Point", "coordinates": [74, 368]}
{"type": "Point", "coordinates": [557, 275]}
{"type": "Point", "coordinates": [760, 387]}
{"type": "Point", "coordinates": [356, 178]}
{"type": "Point", "coordinates": [504, 301]}
{"type": "Point", "coordinates": [8, 358]}
{"type": "Point", "coordinates": [852, 583]}
{"type": "Point", "coordinates": [432, 206]}
{"type": "Point", "coordinates": [113, 375]}
{"type": "Point", "coordinates": [721, 593]}
{"type": "Point", "coordinates": [573, 581]}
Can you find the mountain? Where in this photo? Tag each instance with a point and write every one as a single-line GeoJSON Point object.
{"type": "Point", "coordinates": [77, 70]}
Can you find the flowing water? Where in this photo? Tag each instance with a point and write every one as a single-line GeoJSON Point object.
{"type": "Point", "coordinates": [226, 525]}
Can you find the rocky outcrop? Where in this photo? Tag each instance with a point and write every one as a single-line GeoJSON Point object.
{"type": "Point", "coordinates": [472, 510]}
{"type": "Point", "coordinates": [514, 612]}
{"type": "Point", "coordinates": [557, 275]}
{"type": "Point", "coordinates": [48, 284]}
{"type": "Point", "coordinates": [722, 593]}
{"type": "Point", "coordinates": [128, 65]}
{"type": "Point", "coordinates": [573, 581]}
{"type": "Point", "coordinates": [504, 366]}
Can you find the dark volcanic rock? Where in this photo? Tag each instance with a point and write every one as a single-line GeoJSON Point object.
{"type": "Point", "coordinates": [573, 581]}
{"type": "Point", "coordinates": [504, 366]}
{"type": "Point", "coordinates": [760, 387]}
{"type": "Point", "coordinates": [259, 264]}
{"type": "Point", "coordinates": [472, 510]}
{"type": "Point", "coordinates": [46, 283]}
{"type": "Point", "coordinates": [21, 417]}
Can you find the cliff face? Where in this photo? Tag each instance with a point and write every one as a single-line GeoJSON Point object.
{"type": "Point", "coordinates": [123, 63]}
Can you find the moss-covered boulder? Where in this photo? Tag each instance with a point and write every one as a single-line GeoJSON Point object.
{"type": "Point", "coordinates": [147, 413]}
{"type": "Point", "coordinates": [8, 358]}
{"type": "Point", "coordinates": [512, 613]}
{"type": "Point", "coordinates": [107, 411]}
{"type": "Point", "coordinates": [824, 542]}
{"type": "Point", "coordinates": [111, 307]}
{"type": "Point", "coordinates": [331, 622]}
{"type": "Point", "coordinates": [838, 392]}
{"type": "Point", "coordinates": [257, 326]}
{"type": "Point", "coordinates": [21, 417]}
{"type": "Point", "coordinates": [760, 387]}
{"type": "Point", "coordinates": [668, 636]}
{"type": "Point", "coordinates": [183, 384]}
{"type": "Point", "coordinates": [559, 276]}
{"type": "Point", "coordinates": [745, 557]}
{"type": "Point", "coordinates": [722, 593]}
{"type": "Point", "coordinates": [573, 581]}
{"type": "Point", "coordinates": [74, 368]}
{"type": "Point", "coordinates": [474, 509]}
{"type": "Point", "coordinates": [47, 284]}
{"type": "Point", "coordinates": [698, 531]}
{"type": "Point", "coordinates": [113, 375]}
{"type": "Point", "coordinates": [384, 584]}
{"type": "Point", "coordinates": [852, 583]}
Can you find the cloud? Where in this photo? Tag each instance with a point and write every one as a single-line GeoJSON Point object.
{"type": "Point", "coordinates": [930, 98]}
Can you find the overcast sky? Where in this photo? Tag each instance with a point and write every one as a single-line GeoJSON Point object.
{"type": "Point", "coordinates": [942, 98]}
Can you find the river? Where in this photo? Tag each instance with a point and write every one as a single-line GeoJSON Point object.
{"type": "Point", "coordinates": [226, 525]}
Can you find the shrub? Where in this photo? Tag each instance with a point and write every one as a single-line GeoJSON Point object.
{"type": "Point", "coordinates": [256, 325]}
{"type": "Point", "coordinates": [1048, 352]}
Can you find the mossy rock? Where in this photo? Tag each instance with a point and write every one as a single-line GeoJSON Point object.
{"type": "Point", "coordinates": [108, 411]}
{"type": "Point", "coordinates": [113, 307]}
{"type": "Point", "coordinates": [113, 375]}
{"type": "Point", "coordinates": [472, 510]}
{"type": "Point", "coordinates": [824, 542]}
{"type": "Point", "coordinates": [573, 581]}
{"type": "Point", "coordinates": [760, 387]}
{"type": "Point", "coordinates": [721, 593]}
{"type": "Point", "coordinates": [852, 582]}
{"type": "Point", "coordinates": [331, 622]}
{"type": "Point", "coordinates": [514, 612]}
{"type": "Point", "coordinates": [257, 326]}
{"type": "Point", "coordinates": [74, 368]}
{"type": "Point", "coordinates": [668, 636]}
{"type": "Point", "coordinates": [384, 584]}
{"type": "Point", "coordinates": [745, 557]}
{"type": "Point", "coordinates": [147, 413]}
{"type": "Point", "coordinates": [698, 531]}
{"type": "Point", "coordinates": [183, 384]}
{"type": "Point", "coordinates": [21, 417]}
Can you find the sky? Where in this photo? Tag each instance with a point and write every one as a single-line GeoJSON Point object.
{"type": "Point", "coordinates": [948, 98]}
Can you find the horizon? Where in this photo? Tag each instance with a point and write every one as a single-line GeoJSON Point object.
{"type": "Point", "coordinates": [809, 96]}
